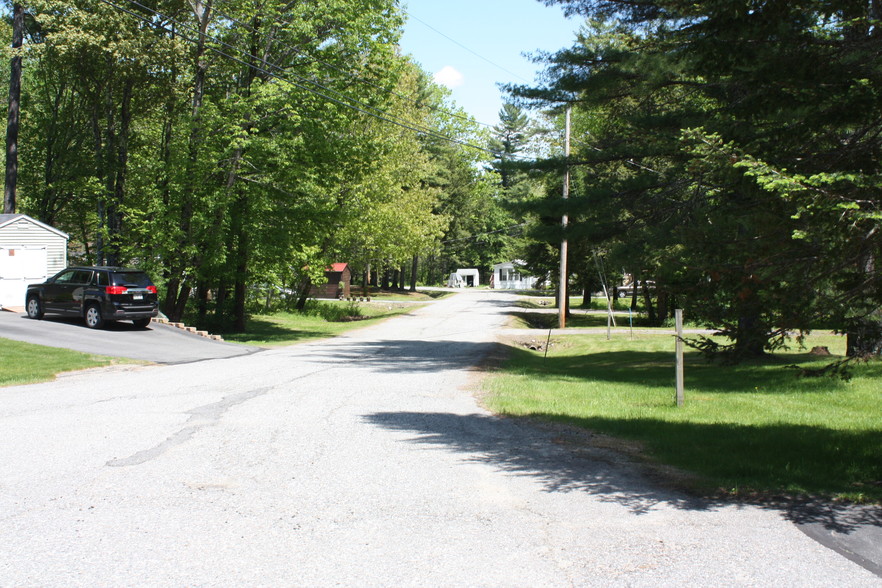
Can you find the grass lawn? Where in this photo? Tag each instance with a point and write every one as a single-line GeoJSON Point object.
{"type": "Point", "coordinates": [398, 295]}
{"type": "Point", "coordinates": [25, 363]}
{"type": "Point", "coordinates": [745, 430]}
{"type": "Point", "coordinates": [540, 312]}
{"type": "Point", "coordinates": [321, 319]}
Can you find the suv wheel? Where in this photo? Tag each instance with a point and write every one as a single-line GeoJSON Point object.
{"type": "Point", "coordinates": [35, 309]}
{"type": "Point", "coordinates": [94, 320]}
{"type": "Point", "coordinates": [141, 323]}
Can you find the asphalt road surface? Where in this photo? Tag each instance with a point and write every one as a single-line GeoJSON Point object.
{"type": "Point", "coordinates": [360, 461]}
{"type": "Point", "coordinates": [158, 343]}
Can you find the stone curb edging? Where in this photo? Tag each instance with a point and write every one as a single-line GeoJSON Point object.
{"type": "Point", "coordinates": [183, 327]}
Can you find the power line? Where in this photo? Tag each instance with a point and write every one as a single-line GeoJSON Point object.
{"type": "Point", "coordinates": [464, 47]}
{"type": "Point", "coordinates": [354, 102]}
{"type": "Point", "coordinates": [351, 104]}
{"type": "Point", "coordinates": [357, 78]}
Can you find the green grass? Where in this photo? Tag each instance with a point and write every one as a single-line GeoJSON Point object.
{"type": "Point", "coordinates": [528, 317]}
{"type": "Point", "coordinates": [397, 295]}
{"type": "Point", "coordinates": [546, 320]}
{"type": "Point", "coordinates": [323, 319]}
{"type": "Point", "coordinates": [747, 429]}
{"type": "Point", "coordinates": [25, 363]}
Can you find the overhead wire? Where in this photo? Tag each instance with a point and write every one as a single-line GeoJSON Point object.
{"type": "Point", "coordinates": [360, 79]}
{"type": "Point", "coordinates": [344, 101]}
{"type": "Point", "coordinates": [464, 47]}
{"type": "Point", "coordinates": [354, 103]}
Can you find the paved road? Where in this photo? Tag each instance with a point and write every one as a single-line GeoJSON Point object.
{"type": "Point", "coordinates": [359, 461]}
{"type": "Point", "coordinates": [159, 343]}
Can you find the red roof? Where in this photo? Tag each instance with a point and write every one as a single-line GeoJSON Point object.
{"type": "Point", "coordinates": [338, 267]}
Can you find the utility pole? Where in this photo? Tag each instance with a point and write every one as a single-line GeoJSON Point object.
{"type": "Point", "coordinates": [12, 122]}
{"type": "Point", "coordinates": [562, 292]}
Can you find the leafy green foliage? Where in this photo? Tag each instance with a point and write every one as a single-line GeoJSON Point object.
{"type": "Point", "coordinates": [225, 146]}
{"type": "Point", "coordinates": [731, 156]}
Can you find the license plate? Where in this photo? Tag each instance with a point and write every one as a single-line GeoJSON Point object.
{"type": "Point", "coordinates": [137, 297]}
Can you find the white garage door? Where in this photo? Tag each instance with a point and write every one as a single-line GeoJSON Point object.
{"type": "Point", "coordinates": [20, 266]}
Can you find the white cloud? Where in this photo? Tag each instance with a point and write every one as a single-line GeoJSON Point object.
{"type": "Point", "coordinates": [448, 76]}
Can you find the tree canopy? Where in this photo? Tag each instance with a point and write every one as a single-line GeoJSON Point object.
{"type": "Point", "coordinates": [238, 147]}
{"type": "Point", "coordinates": [731, 155]}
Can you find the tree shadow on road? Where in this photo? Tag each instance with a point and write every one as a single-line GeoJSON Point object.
{"type": "Point", "coordinates": [406, 356]}
{"type": "Point", "coordinates": [563, 460]}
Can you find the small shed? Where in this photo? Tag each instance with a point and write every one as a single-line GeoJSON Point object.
{"type": "Point", "coordinates": [464, 277]}
{"type": "Point", "coordinates": [510, 276]}
{"type": "Point", "coordinates": [339, 279]}
{"type": "Point", "coordinates": [30, 252]}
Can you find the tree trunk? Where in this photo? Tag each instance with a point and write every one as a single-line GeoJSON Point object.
{"type": "Point", "coordinates": [304, 294]}
{"type": "Point", "coordinates": [634, 293]}
{"type": "Point", "coordinates": [201, 302]}
{"type": "Point", "coordinates": [220, 302]}
{"type": "Point", "coordinates": [171, 298]}
{"type": "Point", "coordinates": [650, 308]}
{"type": "Point", "coordinates": [12, 122]}
{"type": "Point", "coordinates": [750, 336]}
{"type": "Point", "coordinates": [181, 303]}
{"type": "Point", "coordinates": [240, 235]}
{"type": "Point", "coordinates": [414, 266]}
{"type": "Point", "coordinates": [178, 291]}
{"type": "Point", "coordinates": [114, 212]}
{"type": "Point", "coordinates": [239, 305]}
{"type": "Point", "coordinates": [864, 338]}
{"type": "Point", "coordinates": [367, 280]}
{"type": "Point", "coordinates": [586, 293]}
{"type": "Point", "coordinates": [664, 309]}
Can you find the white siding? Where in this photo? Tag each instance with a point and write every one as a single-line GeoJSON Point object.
{"type": "Point", "coordinates": [29, 252]}
{"type": "Point", "coordinates": [26, 233]}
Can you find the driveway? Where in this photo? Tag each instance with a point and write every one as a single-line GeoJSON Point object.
{"type": "Point", "coordinates": [157, 343]}
{"type": "Point", "coordinates": [364, 460]}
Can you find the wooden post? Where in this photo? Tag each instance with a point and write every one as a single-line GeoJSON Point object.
{"type": "Point", "coordinates": [678, 313]}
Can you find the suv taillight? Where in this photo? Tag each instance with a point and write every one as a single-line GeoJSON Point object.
{"type": "Point", "coordinates": [116, 289]}
{"type": "Point", "coordinates": [151, 289]}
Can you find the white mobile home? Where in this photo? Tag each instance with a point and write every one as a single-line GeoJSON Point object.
{"type": "Point", "coordinates": [30, 252]}
{"type": "Point", "coordinates": [508, 276]}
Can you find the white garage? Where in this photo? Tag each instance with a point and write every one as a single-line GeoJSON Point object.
{"type": "Point", "coordinates": [30, 252]}
{"type": "Point", "coordinates": [464, 277]}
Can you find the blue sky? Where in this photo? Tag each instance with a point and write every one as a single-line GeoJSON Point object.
{"type": "Point", "coordinates": [472, 45]}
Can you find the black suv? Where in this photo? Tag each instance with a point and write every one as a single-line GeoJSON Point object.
{"type": "Point", "coordinates": [97, 294]}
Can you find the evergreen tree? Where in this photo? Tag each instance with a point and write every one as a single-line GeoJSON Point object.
{"type": "Point", "coordinates": [775, 88]}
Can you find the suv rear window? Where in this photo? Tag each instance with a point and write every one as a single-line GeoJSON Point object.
{"type": "Point", "coordinates": [138, 279]}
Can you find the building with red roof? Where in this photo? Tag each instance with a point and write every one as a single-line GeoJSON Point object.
{"type": "Point", "coordinates": [339, 279]}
